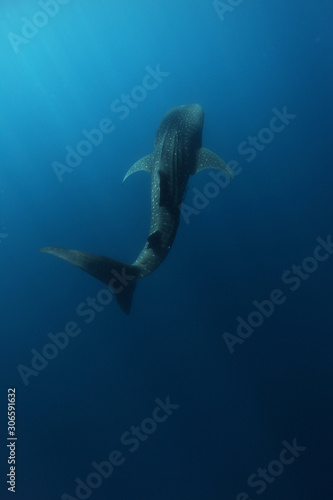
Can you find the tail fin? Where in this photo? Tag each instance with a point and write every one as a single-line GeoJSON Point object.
{"type": "Point", "coordinates": [120, 277]}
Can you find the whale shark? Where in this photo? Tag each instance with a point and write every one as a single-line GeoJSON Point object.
{"type": "Point", "coordinates": [177, 154]}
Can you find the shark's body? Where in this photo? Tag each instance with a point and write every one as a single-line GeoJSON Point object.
{"type": "Point", "coordinates": [177, 155]}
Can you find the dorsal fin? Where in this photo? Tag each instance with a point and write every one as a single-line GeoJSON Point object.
{"type": "Point", "coordinates": [154, 240]}
{"type": "Point", "coordinates": [165, 194]}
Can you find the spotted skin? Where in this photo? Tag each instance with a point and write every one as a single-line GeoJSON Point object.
{"type": "Point", "coordinates": [176, 142]}
{"type": "Point", "coordinates": [177, 154]}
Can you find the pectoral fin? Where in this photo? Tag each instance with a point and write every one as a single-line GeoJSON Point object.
{"type": "Point", "coordinates": [146, 163]}
{"type": "Point", "coordinates": [208, 159]}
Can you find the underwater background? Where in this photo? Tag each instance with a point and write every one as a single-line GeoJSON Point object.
{"type": "Point", "coordinates": [218, 385]}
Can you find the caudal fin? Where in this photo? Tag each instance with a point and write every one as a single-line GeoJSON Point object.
{"type": "Point", "coordinates": [120, 277]}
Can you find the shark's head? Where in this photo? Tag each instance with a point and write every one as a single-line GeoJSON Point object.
{"type": "Point", "coordinates": [193, 119]}
{"type": "Point", "coordinates": [193, 114]}
{"type": "Point", "coordinates": [186, 121]}
{"type": "Point", "coordinates": [195, 110]}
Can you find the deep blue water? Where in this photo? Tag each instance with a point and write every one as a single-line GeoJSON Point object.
{"type": "Point", "coordinates": [239, 399]}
